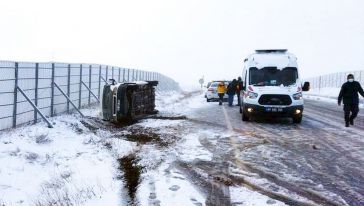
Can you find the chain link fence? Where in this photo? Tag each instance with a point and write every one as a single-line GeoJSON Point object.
{"type": "Point", "coordinates": [30, 91]}
{"type": "Point", "coordinates": [334, 80]}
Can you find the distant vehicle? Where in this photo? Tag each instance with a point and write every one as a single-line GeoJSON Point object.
{"type": "Point", "coordinates": [211, 93]}
{"type": "Point", "coordinates": [271, 86]}
{"type": "Point", "coordinates": [207, 86]}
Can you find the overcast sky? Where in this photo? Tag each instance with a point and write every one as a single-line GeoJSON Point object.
{"type": "Point", "coordinates": [184, 39]}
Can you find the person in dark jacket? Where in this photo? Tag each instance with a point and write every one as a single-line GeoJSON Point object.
{"type": "Point", "coordinates": [231, 91]}
{"type": "Point", "coordinates": [239, 87]}
{"type": "Point", "coordinates": [349, 95]}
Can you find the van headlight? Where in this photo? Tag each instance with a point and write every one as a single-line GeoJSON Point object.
{"type": "Point", "coordinates": [252, 95]}
{"type": "Point", "coordinates": [297, 96]}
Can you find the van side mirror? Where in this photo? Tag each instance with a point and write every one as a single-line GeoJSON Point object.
{"type": "Point", "coordinates": [244, 86]}
{"type": "Point", "coordinates": [306, 86]}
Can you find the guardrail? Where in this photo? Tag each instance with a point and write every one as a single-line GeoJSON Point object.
{"type": "Point", "coordinates": [334, 80]}
{"type": "Point", "coordinates": [30, 91]}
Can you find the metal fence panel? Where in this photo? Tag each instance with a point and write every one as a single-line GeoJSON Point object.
{"type": "Point", "coordinates": [335, 80]}
{"type": "Point", "coordinates": [36, 80]}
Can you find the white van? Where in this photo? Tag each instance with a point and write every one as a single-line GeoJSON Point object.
{"type": "Point", "coordinates": [271, 86]}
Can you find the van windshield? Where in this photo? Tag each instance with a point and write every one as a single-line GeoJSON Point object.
{"type": "Point", "coordinates": [271, 76]}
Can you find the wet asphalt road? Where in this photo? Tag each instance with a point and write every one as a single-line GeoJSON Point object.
{"type": "Point", "coordinates": [317, 162]}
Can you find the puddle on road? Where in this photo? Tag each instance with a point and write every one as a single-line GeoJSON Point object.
{"type": "Point", "coordinates": [128, 165]}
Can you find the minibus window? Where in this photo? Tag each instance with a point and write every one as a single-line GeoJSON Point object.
{"type": "Point", "coordinates": [271, 76]}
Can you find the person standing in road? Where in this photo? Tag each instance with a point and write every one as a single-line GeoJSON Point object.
{"type": "Point", "coordinates": [231, 91]}
{"type": "Point", "coordinates": [239, 87]}
{"type": "Point", "coordinates": [349, 95]}
{"type": "Point", "coordinates": [221, 89]}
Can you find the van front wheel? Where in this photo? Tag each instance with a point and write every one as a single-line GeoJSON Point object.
{"type": "Point", "coordinates": [297, 120]}
{"type": "Point", "coordinates": [244, 117]}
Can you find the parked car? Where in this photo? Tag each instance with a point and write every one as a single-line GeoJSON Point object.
{"type": "Point", "coordinates": [211, 93]}
{"type": "Point", "coordinates": [207, 86]}
{"type": "Point", "coordinates": [272, 86]}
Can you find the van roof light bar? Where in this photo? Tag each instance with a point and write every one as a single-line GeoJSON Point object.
{"type": "Point", "coordinates": [271, 50]}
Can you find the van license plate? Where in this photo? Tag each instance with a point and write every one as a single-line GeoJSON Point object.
{"type": "Point", "coordinates": [273, 109]}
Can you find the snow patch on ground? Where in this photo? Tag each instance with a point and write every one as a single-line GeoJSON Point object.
{"type": "Point", "coordinates": [155, 123]}
{"type": "Point", "coordinates": [65, 164]}
{"type": "Point", "coordinates": [179, 103]}
{"type": "Point", "coordinates": [167, 186]}
{"type": "Point", "coordinates": [192, 149]}
{"type": "Point", "coordinates": [245, 197]}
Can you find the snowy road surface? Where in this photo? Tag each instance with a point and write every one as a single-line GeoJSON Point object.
{"type": "Point", "coordinates": [319, 160]}
{"type": "Point", "coordinates": [191, 153]}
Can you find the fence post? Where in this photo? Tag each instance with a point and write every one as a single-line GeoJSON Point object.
{"type": "Point", "coordinates": [119, 75]}
{"type": "Point", "coordinates": [112, 72]}
{"type": "Point", "coordinates": [89, 84]}
{"type": "Point", "coordinates": [319, 83]}
{"type": "Point", "coordinates": [124, 75]}
{"type": "Point", "coordinates": [52, 91]}
{"type": "Point", "coordinates": [15, 94]}
{"type": "Point", "coordinates": [80, 89]}
{"type": "Point", "coordinates": [132, 78]}
{"type": "Point", "coordinates": [136, 78]}
{"type": "Point", "coordinates": [36, 92]}
{"type": "Point", "coordinates": [68, 86]}
{"type": "Point", "coordinates": [128, 75]}
{"type": "Point", "coordinates": [98, 94]}
{"type": "Point", "coordinates": [107, 72]}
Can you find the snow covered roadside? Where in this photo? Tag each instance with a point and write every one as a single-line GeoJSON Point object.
{"type": "Point", "coordinates": [66, 164]}
{"type": "Point", "coordinates": [162, 183]}
{"type": "Point", "coordinates": [70, 163]}
{"type": "Point", "coordinates": [327, 94]}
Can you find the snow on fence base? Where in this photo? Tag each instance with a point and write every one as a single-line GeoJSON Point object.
{"type": "Point", "coordinates": [56, 88]}
{"type": "Point", "coordinates": [334, 80]}
{"type": "Point", "coordinates": [327, 87]}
